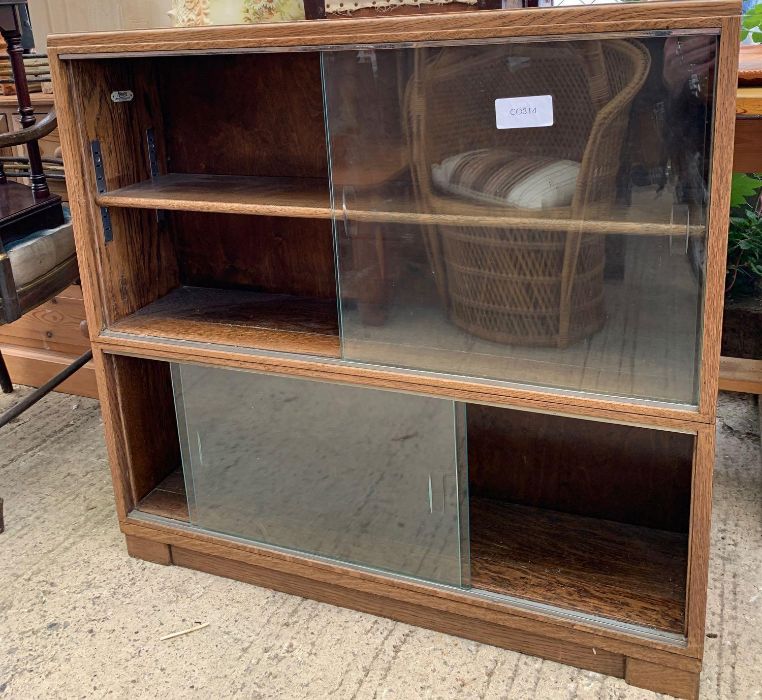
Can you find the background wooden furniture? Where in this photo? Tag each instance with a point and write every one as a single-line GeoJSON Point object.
{"type": "Point", "coordinates": [739, 374]}
{"type": "Point", "coordinates": [49, 338]}
{"type": "Point", "coordinates": [227, 261]}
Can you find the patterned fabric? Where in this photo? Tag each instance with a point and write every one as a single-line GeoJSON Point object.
{"type": "Point", "coordinates": [272, 10]}
{"type": "Point", "coordinates": [189, 13]}
{"type": "Point", "coordinates": [201, 13]}
{"type": "Point", "coordinates": [347, 6]}
{"type": "Point", "coordinates": [497, 176]}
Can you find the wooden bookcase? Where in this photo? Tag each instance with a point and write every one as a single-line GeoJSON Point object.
{"type": "Point", "coordinates": [289, 394]}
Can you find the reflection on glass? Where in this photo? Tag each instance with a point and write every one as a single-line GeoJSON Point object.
{"type": "Point", "coordinates": [530, 212]}
{"type": "Point", "coordinates": [358, 475]}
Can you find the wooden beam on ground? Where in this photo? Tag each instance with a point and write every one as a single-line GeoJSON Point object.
{"type": "Point", "coordinates": [34, 367]}
{"type": "Point", "coordinates": [737, 374]}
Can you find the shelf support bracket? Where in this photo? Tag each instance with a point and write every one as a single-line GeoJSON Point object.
{"type": "Point", "coordinates": [100, 184]}
{"type": "Point", "coordinates": [153, 165]}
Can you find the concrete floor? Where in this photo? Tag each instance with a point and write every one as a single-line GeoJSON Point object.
{"type": "Point", "coordinates": [79, 618]}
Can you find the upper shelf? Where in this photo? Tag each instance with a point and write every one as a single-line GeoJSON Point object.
{"type": "Point", "coordinates": [309, 198]}
{"type": "Point", "coordinates": [263, 196]}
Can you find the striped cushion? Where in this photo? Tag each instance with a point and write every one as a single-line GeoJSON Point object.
{"type": "Point", "coordinates": [498, 177]}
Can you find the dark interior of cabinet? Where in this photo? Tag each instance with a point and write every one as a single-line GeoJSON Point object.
{"type": "Point", "coordinates": [148, 444]}
{"type": "Point", "coordinates": [256, 281]}
{"type": "Point", "coordinates": [584, 515]}
{"type": "Point", "coordinates": [250, 281]}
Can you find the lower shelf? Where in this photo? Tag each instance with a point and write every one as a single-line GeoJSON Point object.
{"type": "Point", "coordinates": [242, 318]}
{"type": "Point", "coordinates": [168, 499]}
{"type": "Point", "coordinates": [621, 572]}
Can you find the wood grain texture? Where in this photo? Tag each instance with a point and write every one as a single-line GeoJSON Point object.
{"type": "Point", "coordinates": [142, 391]}
{"type": "Point", "coordinates": [403, 35]}
{"type": "Point", "coordinates": [431, 599]}
{"type": "Point", "coordinates": [148, 550]}
{"type": "Point", "coordinates": [540, 21]}
{"type": "Point", "coordinates": [116, 439]}
{"type": "Point", "coordinates": [621, 473]}
{"type": "Point", "coordinates": [168, 499]}
{"type": "Point", "coordinates": [701, 521]}
{"type": "Point", "coordinates": [662, 679]}
{"type": "Point", "coordinates": [39, 100]}
{"type": "Point", "coordinates": [598, 660]}
{"type": "Point", "coordinates": [139, 264]}
{"type": "Point", "coordinates": [141, 267]}
{"type": "Point", "coordinates": [53, 326]}
{"type": "Point", "coordinates": [81, 190]}
{"type": "Point", "coordinates": [747, 146]}
{"type": "Point", "coordinates": [250, 114]}
{"type": "Point", "coordinates": [308, 198]}
{"type": "Point", "coordinates": [652, 415]}
{"type": "Point", "coordinates": [621, 572]}
{"type": "Point", "coordinates": [259, 253]}
{"type": "Point", "coordinates": [240, 318]}
{"type": "Point", "coordinates": [749, 102]}
{"type": "Point", "coordinates": [35, 366]}
{"type": "Point", "coordinates": [717, 240]}
{"type": "Point", "coordinates": [738, 374]}
{"type": "Point", "coordinates": [293, 197]}
{"type": "Point", "coordinates": [76, 131]}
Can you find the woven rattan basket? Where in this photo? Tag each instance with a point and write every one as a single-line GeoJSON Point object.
{"type": "Point", "coordinates": [524, 282]}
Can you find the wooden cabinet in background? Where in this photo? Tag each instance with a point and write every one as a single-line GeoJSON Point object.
{"type": "Point", "coordinates": [46, 340]}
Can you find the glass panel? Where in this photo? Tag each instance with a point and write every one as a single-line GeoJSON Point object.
{"type": "Point", "coordinates": [362, 476]}
{"type": "Point", "coordinates": [525, 211]}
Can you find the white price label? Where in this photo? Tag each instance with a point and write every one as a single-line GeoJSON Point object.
{"type": "Point", "coordinates": [524, 112]}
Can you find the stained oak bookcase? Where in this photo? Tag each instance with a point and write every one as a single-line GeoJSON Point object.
{"type": "Point", "coordinates": [330, 367]}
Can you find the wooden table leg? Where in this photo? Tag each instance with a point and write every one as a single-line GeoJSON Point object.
{"type": "Point", "coordinates": [5, 379]}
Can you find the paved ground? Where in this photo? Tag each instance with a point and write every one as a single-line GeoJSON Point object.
{"type": "Point", "coordinates": [79, 618]}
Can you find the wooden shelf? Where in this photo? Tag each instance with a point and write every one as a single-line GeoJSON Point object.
{"type": "Point", "coordinates": [623, 572]}
{"type": "Point", "coordinates": [168, 499]}
{"type": "Point", "coordinates": [309, 198]}
{"type": "Point", "coordinates": [263, 196]}
{"type": "Point", "coordinates": [241, 318]}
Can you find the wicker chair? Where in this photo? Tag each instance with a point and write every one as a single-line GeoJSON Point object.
{"type": "Point", "coordinates": [520, 283]}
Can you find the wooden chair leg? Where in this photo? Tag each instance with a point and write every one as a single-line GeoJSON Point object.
{"type": "Point", "coordinates": [5, 378]}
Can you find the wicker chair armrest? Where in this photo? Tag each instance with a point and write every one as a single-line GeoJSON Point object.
{"type": "Point", "coordinates": [605, 121]}
{"type": "Point", "coordinates": [33, 133]}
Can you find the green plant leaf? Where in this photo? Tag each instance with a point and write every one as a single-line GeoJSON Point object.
{"type": "Point", "coordinates": [742, 187]}
{"type": "Point", "coordinates": [745, 237]}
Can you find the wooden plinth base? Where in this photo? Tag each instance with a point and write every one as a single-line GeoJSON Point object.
{"type": "Point", "coordinates": [353, 591]}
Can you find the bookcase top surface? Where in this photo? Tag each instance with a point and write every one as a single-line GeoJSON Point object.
{"type": "Point", "coordinates": [585, 19]}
